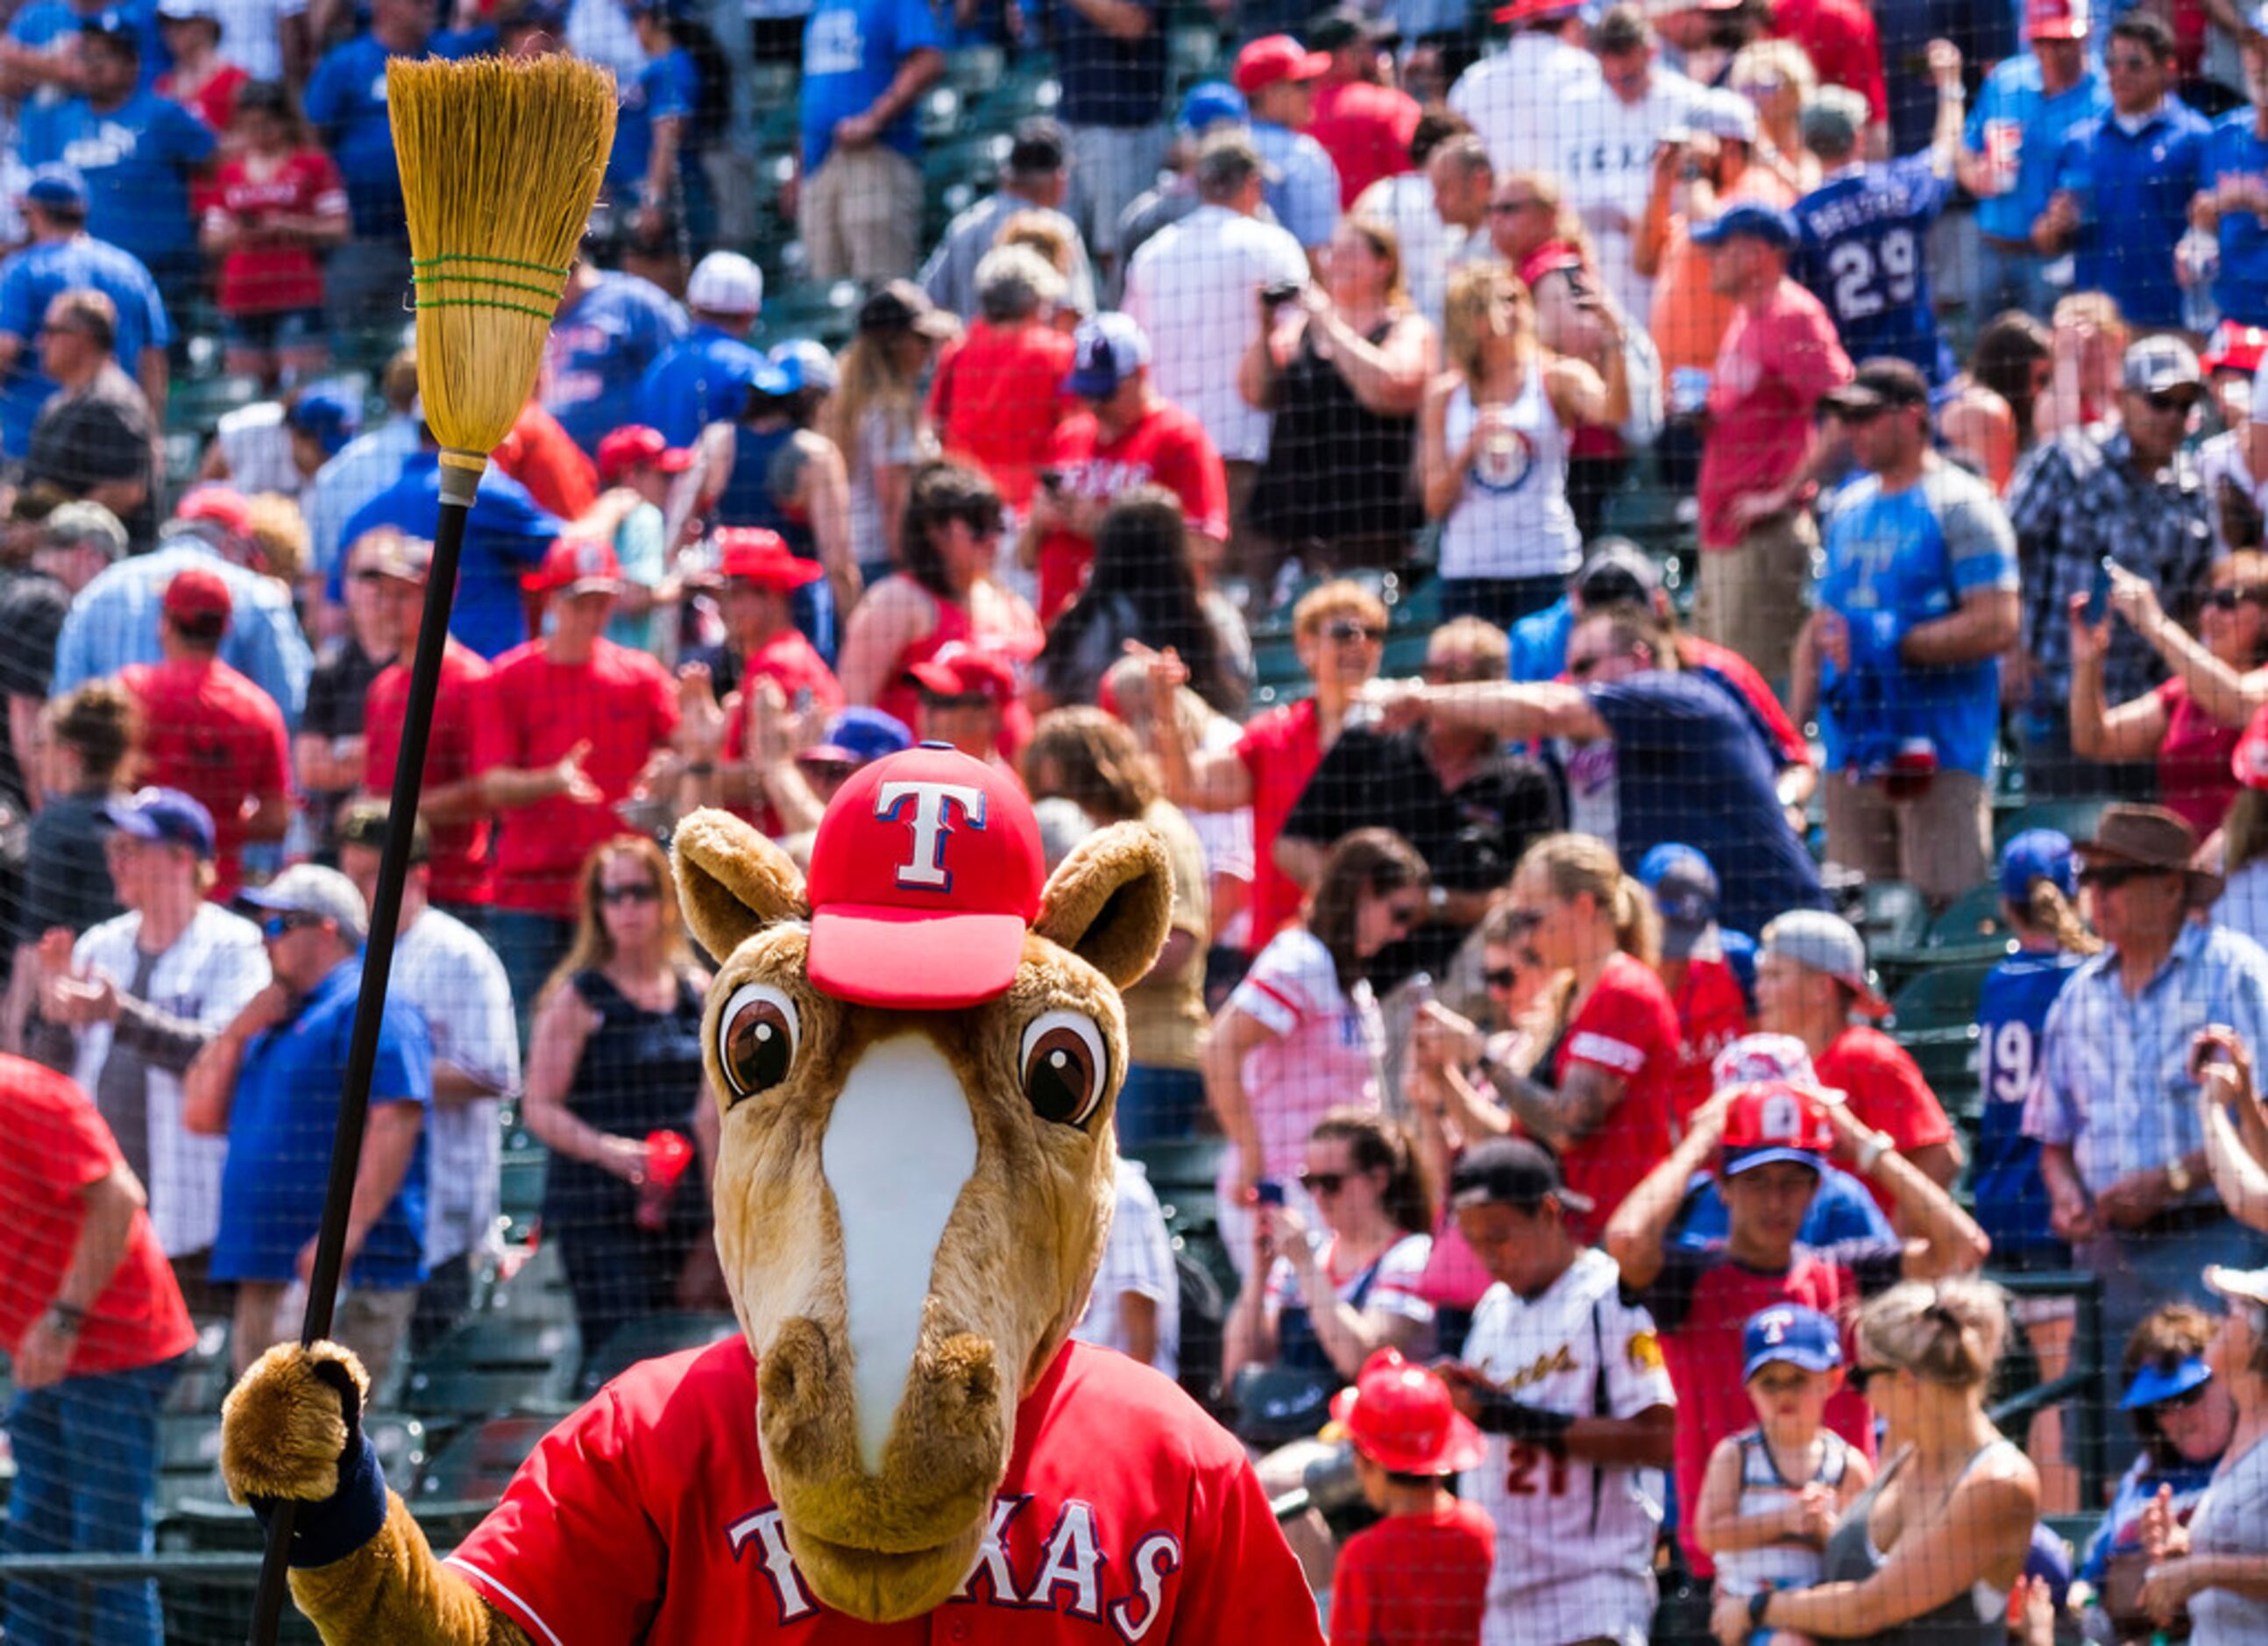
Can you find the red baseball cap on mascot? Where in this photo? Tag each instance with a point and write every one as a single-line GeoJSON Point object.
{"type": "Point", "coordinates": [925, 877]}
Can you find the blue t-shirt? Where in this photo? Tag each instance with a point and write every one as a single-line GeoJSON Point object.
{"type": "Point", "coordinates": [852, 52]}
{"type": "Point", "coordinates": [1840, 1210]}
{"type": "Point", "coordinates": [597, 353]}
{"type": "Point", "coordinates": [280, 1124]}
{"type": "Point", "coordinates": [1863, 251]}
{"type": "Point", "coordinates": [1691, 766]}
{"type": "Point", "coordinates": [2011, 1011]}
{"type": "Point", "coordinates": [506, 536]}
{"type": "Point", "coordinates": [2133, 206]}
{"type": "Point", "coordinates": [665, 89]}
{"type": "Point", "coordinates": [1107, 81]}
{"type": "Point", "coordinates": [2241, 289]}
{"type": "Point", "coordinates": [701, 380]}
{"type": "Point", "coordinates": [1895, 561]}
{"type": "Point", "coordinates": [43, 23]}
{"type": "Point", "coordinates": [34, 278]}
{"type": "Point", "coordinates": [1302, 187]}
{"type": "Point", "coordinates": [2012, 98]}
{"type": "Point", "coordinates": [136, 161]}
{"type": "Point", "coordinates": [346, 104]}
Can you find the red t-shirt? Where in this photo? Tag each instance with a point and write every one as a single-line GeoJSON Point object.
{"type": "Point", "coordinates": [1628, 1028]}
{"type": "Point", "coordinates": [1736, 671]}
{"type": "Point", "coordinates": [263, 279]}
{"type": "Point", "coordinates": [1845, 47]}
{"type": "Point", "coordinates": [212, 733]}
{"type": "Point", "coordinates": [1775, 363]}
{"type": "Point", "coordinates": [458, 867]}
{"type": "Point", "coordinates": [1365, 129]}
{"type": "Point", "coordinates": [1281, 749]}
{"type": "Point", "coordinates": [544, 458]}
{"type": "Point", "coordinates": [1711, 1014]}
{"type": "Point", "coordinates": [997, 398]}
{"type": "Point", "coordinates": [793, 662]}
{"type": "Point", "coordinates": [2196, 776]}
{"type": "Point", "coordinates": [57, 1146]}
{"type": "Point", "coordinates": [1125, 1514]}
{"type": "Point", "coordinates": [1168, 447]}
{"type": "Point", "coordinates": [1415, 1580]}
{"type": "Point", "coordinates": [534, 712]}
{"type": "Point", "coordinates": [1886, 1092]}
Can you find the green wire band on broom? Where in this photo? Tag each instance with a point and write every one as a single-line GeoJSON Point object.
{"type": "Point", "coordinates": [544, 315]}
{"type": "Point", "coordinates": [551, 292]}
{"type": "Point", "coordinates": [482, 257]}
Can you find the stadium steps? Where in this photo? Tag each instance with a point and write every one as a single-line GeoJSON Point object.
{"type": "Point", "coordinates": [651, 1338]}
{"type": "Point", "coordinates": [465, 1480]}
{"type": "Point", "coordinates": [493, 1363]}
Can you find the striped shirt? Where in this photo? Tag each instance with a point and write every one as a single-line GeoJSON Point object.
{"type": "Point", "coordinates": [1139, 1259]}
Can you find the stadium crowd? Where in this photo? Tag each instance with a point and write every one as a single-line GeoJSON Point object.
{"type": "Point", "coordinates": [1601, 537]}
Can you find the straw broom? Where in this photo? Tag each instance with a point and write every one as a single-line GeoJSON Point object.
{"type": "Point", "coordinates": [500, 163]}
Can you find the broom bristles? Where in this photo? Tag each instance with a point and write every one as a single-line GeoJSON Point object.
{"type": "Point", "coordinates": [500, 162]}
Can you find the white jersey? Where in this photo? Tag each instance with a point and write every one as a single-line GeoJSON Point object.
{"type": "Point", "coordinates": [1513, 98]}
{"type": "Point", "coordinates": [1604, 156]}
{"type": "Point", "coordinates": [1575, 1540]}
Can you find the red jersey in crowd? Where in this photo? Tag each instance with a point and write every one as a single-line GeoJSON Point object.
{"type": "Point", "coordinates": [901, 698]}
{"type": "Point", "coordinates": [458, 867]}
{"type": "Point", "coordinates": [795, 665]}
{"type": "Point", "coordinates": [1365, 129]}
{"type": "Point", "coordinates": [1168, 447]}
{"type": "Point", "coordinates": [57, 1146]}
{"type": "Point", "coordinates": [1628, 1028]}
{"type": "Point", "coordinates": [996, 399]}
{"type": "Point", "coordinates": [1281, 749]}
{"type": "Point", "coordinates": [544, 458]}
{"type": "Point", "coordinates": [259, 277]}
{"type": "Point", "coordinates": [1845, 45]}
{"type": "Point", "coordinates": [1712, 1012]}
{"type": "Point", "coordinates": [624, 703]}
{"type": "Point", "coordinates": [212, 733]}
{"type": "Point", "coordinates": [1414, 1580]}
{"type": "Point", "coordinates": [1887, 1093]}
{"type": "Point", "coordinates": [1774, 363]}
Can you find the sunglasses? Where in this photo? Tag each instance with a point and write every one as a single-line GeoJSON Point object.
{"type": "Point", "coordinates": [645, 891]}
{"type": "Point", "coordinates": [1861, 1376]}
{"type": "Point", "coordinates": [1323, 1181]}
{"type": "Point", "coordinates": [370, 574]}
{"type": "Point", "coordinates": [2181, 1402]}
{"type": "Point", "coordinates": [1584, 667]}
{"type": "Point", "coordinates": [2166, 402]}
{"type": "Point", "coordinates": [1405, 915]}
{"type": "Point", "coordinates": [1348, 629]}
{"type": "Point", "coordinates": [1500, 976]}
{"type": "Point", "coordinates": [284, 922]}
{"type": "Point", "coordinates": [2132, 63]}
{"type": "Point", "coordinates": [2112, 876]}
{"type": "Point", "coordinates": [1507, 208]}
{"type": "Point", "coordinates": [2229, 599]}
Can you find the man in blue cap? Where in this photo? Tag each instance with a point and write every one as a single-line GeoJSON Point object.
{"type": "Point", "coordinates": [1206, 107]}
{"type": "Point", "coordinates": [703, 377]}
{"type": "Point", "coordinates": [63, 256]}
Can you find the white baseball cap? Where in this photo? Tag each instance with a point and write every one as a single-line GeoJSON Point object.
{"type": "Point", "coordinates": [726, 283]}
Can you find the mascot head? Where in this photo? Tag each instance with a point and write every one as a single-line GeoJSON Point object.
{"type": "Point", "coordinates": [916, 1057]}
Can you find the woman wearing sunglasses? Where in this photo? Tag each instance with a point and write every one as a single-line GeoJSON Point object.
{"type": "Point", "coordinates": [615, 1074]}
{"type": "Point", "coordinates": [2189, 725]}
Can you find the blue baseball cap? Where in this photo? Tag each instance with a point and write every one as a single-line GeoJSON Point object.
{"type": "Point", "coordinates": [1752, 217]}
{"type": "Point", "coordinates": [329, 419]}
{"type": "Point", "coordinates": [2156, 1383]}
{"type": "Point", "coordinates": [165, 815]}
{"type": "Point", "coordinates": [1211, 103]}
{"type": "Point", "coordinates": [1791, 1333]}
{"type": "Point", "coordinates": [860, 735]}
{"type": "Point", "coordinates": [1107, 349]}
{"type": "Point", "coordinates": [117, 24]}
{"type": "Point", "coordinates": [802, 363]}
{"type": "Point", "coordinates": [1685, 892]}
{"type": "Point", "coordinates": [2037, 854]}
{"type": "Point", "coordinates": [58, 188]}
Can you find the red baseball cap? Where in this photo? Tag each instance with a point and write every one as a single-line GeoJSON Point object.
{"type": "Point", "coordinates": [195, 593]}
{"type": "Point", "coordinates": [761, 557]}
{"type": "Point", "coordinates": [926, 876]}
{"type": "Point", "coordinates": [225, 505]}
{"type": "Point", "coordinates": [1772, 1120]}
{"type": "Point", "coordinates": [2055, 19]}
{"type": "Point", "coordinates": [1400, 1416]}
{"type": "Point", "coordinates": [634, 444]}
{"type": "Point", "coordinates": [1275, 57]}
{"type": "Point", "coordinates": [576, 565]}
{"type": "Point", "coordinates": [960, 670]}
{"type": "Point", "coordinates": [1536, 10]}
{"type": "Point", "coordinates": [2236, 348]}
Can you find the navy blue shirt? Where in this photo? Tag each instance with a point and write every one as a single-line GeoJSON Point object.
{"type": "Point", "coordinates": [1986, 34]}
{"type": "Point", "coordinates": [2133, 205]}
{"type": "Point", "coordinates": [136, 160]}
{"type": "Point", "coordinates": [1108, 81]}
{"type": "Point", "coordinates": [34, 278]}
{"type": "Point", "coordinates": [1865, 255]}
{"type": "Point", "coordinates": [505, 535]}
{"type": "Point", "coordinates": [2012, 1012]}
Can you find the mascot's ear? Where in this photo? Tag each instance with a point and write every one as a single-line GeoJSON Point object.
{"type": "Point", "coordinates": [1111, 902]}
{"type": "Point", "coordinates": [732, 882]}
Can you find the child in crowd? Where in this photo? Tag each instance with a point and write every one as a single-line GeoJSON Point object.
{"type": "Point", "coordinates": [1419, 1577]}
{"type": "Point", "coordinates": [1772, 1493]}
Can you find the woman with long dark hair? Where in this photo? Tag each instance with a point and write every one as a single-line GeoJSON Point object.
{"type": "Point", "coordinates": [1988, 417]}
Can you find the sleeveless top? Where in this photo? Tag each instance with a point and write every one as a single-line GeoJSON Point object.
{"type": "Point", "coordinates": [1335, 468]}
{"type": "Point", "coordinates": [901, 697]}
{"type": "Point", "coordinates": [640, 1072]}
{"type": "Point", "coordinates": [1512, 519]}
{"type": "Point", "coordinates": [1979, 1618]}
{"type": "Point", "coordinates": [1764, 1489]}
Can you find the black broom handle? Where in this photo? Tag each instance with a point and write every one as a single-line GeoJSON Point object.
{"type": "Point", "coordinates": [370, 1006]}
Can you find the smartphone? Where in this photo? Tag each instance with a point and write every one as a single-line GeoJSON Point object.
{"type": "Point", "coordinates": [2098, 594]}
{"type": "Point", "coordinates": [1281, 292]}
{"type": "Point", "coordinates": [1268, 1191]}
{"type": "Point", "coordinates": [1051, 481]}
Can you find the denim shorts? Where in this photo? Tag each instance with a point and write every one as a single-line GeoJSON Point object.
{"type": "Point", "coordinates": [276, 328]}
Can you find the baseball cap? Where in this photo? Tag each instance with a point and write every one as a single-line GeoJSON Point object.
{"type": "Point", "coordinates": [1401, 1417]}
{"type": "Point", "coordinates": [726, 283]}
{"type": "Point", "coordinates": [188, 10]}
{"type": "Point", "coordinates": [116, 24]}
{"type": "Point", "coordinates": [960, 670]}
{"type": "Point", "coordinates": [369, 823]}
{"type": "Point", "coordinates": [2159, 365]}
{"type": "Point", "coordinates": [1038, 147]}
{"type": "Point", "coordinates": [1755, 1058]}
{"type": "Point", "coordinates": [549, 15]}
{"type": "Point", "coordinates": [1685, 893]}
{"type": "Point", "coordinates": [800, 364]}
{"type": "Point", "coordinates": [1728, 116]}
{"type": "Point", "coordinates": [1511, 1171]}
{"type": "Point", "coordinates": [2055, 19]}
{"type": "Point", "coordinates": [1210, 103]}
{"type": "Point", "coordinates": [1879, 385]}
{"type": "Point", "coordinates": [327, 419]}
{"type": "Point", "coordinates": [1106, 350]}
{"type": "Point", "coordinates": [198, 595]}
{"type": "Point", "coordinates": [57, 187]}
{"type": "Point", "coordinates": [83, 525]}
{"type": "Point", "coordinates": [1275, 57]}
{"type": "Point", "coordinates": [1536, 11]}
{"type": "Point", "coordinates": [1753, 219]}
{"type": "Point", "coordinates": [1774, 1120]}
{"type": "Point", "coordinates": [310, 888]}
{"type": "Point", "coordinates": [761, 557]}
{"type": "Point", "coordinates": [2236, 348]}
{"type": "Point", "coordinates": [1832, 118]}
{"type": "Point", "coordinates": [902, 306]}
{"type": "Point", "coordinates": [925, 875]}
{"type": "Point", "coordinates": [2239, 1286]}
{"type": "Point", "coordinates": [1616, 570]}
{"type": "Point", "coordinates": [576, 565]}
{"type": "Point", "coordinates": [634, 445]}
{"type": "Point", "coordinates": [163, 814]}
{"type": "Point", "coordinates": [856, 735]}
{"type": "Point", "coordinates": [2154, 1383]}
{"type": "Point", "coordinates": [223, 505]}
{"type": "Point", "coordinates": [1792, 1333]}
{"type": "Point", "coordinates": [2037, 854]}
{"type": "Point", "coordinates": [1825, 943]}
{"type": "Point", "coordinates": [394, 554]}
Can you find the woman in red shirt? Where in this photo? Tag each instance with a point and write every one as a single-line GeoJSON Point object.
{"type": "Point", "coordinates": [997, 392]}
{"type": "Point", "coordinates": [277, 202]}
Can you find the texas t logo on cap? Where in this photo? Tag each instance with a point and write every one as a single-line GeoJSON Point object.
{"type": "Point", "coordinates": [925, 878]}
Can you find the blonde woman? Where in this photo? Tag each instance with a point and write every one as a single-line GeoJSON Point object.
{"type": "Point", "coordinates": [1776, 77]}
{"type": "Point", "coordinates": [875, 415]}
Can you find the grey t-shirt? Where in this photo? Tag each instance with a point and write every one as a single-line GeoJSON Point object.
{"type": "Point", "coordinates": [2232, 1519]}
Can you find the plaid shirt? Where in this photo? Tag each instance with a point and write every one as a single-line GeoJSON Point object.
{"type": "Point", "coordinates": [2114, 1082]}
{"type": "Point", "coordinates": [2075, 501]}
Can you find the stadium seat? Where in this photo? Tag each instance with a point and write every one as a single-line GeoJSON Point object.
{"type": "Point", "coordinates": [651, 1338]}
{"type": "Point", "coordinates": [1934, 1018]}
{"type": "Point", "coordinates": [492, 1364]}
{"type": "Point", "coordinates": [2075, 818]}
{"type": "Point", "coordinates": [463, 1483]}
{"type": "Point", "coordinates": [1893, 917]}
{"type": "Point", "coordinates": [1972, 928]}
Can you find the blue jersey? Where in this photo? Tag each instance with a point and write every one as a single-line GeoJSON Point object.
{"type": "Point", "coordinates": [136, 161]}
{"type": "Point", "coordinates": [597, 353]}
{"type": "Point", "coordinates": [2134, 190]}
{"type": "Point", "coordinates": [506, 535]}
{"type": "Point", "coordinates": [2237, 150]}
{"type": "Point", "coordinates": [1864, 251]}
{"type": "Point", "coordinates": [34, 278]}
{"type": "Point", "coordinates": [665, 89]}
{"type": "Point", "coordinates": [346, 104]}
{"type": "Point", "coordinates": [702, 379]}
{"type": "Point", "coordinates": [2014, 113]}
{"type": "Point", "coordinates": [2011, 1203]}
{"type": "Point", "coordinates": [852, 50]}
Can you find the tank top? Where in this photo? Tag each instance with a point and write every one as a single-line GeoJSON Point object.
{"type": "Point", "coordinates": [640, 1072]}
{"type": "Point", "coordinates": [1764, 1489]}
{"type": "Point", "coordinates": [901, 697]}
{"type": "Point", "coordinates": [1979, 1618]}
{"type": "Point", "coordinates": [1335, 468]}
{"type": "Point", "coordinates": [1512, 520]}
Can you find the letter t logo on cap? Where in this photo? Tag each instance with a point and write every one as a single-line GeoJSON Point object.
{"type": "Point", "coordinates": [931, 823]}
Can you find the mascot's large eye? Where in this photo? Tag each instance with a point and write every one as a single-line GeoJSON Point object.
{"type": "Point", "coordinates": [756, 1038]}
{"type": "Point", "coordinates": [1065, 1066]}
